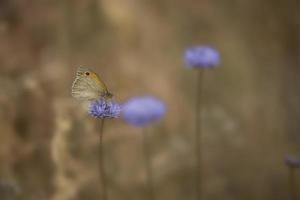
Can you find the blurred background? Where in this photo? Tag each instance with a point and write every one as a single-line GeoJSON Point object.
{"type": "Point", "coordinates": [251, 104]}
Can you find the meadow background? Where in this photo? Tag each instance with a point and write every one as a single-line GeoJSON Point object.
{"type": "Point", "coordinates": [251, 104]}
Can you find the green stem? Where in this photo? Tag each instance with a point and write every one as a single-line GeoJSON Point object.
{"type": "Point", "coordinates": [147, 155]}
{"type": "Point", "coordinates": [292, 183]}
{"type": "Point", "coordinates": [101, 163]}
{"type": "Point", "coordinates": [198, 132]}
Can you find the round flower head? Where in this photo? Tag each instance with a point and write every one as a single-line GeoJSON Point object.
{"type": "Point", "coordinates": [140, 111]}
{"type": "Point", "coordinates": [201, 57]}
{"type": "Point", "coordinates": [292, 161]}
{"type": "Point", "coordinates": [103, 108]}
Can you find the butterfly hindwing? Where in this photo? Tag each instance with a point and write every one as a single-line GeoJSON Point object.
{"type": "Point", "coordinates": [83, 90]}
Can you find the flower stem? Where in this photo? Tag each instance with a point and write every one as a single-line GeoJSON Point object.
{"type": "Point", "coordinates": [101, 163]}
{"type": "Point", "coordinates": [147, 155]}
{"type": "Point", "coordinates": [198, 132]}
{"type": "Point", "coordinates": [292, 183]}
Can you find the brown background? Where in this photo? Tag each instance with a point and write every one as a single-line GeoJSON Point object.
{"type": "Point", "coordinates": [251, 111]}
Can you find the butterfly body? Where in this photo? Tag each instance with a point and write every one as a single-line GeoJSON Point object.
{"type": "Point", "coordinates": [88, 86]}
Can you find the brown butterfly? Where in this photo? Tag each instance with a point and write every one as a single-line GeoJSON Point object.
{"type": "Point", "coordinates": [88, 86]}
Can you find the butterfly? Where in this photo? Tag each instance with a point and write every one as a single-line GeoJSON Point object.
{"type": "Point", "coordinates": [89, 86]}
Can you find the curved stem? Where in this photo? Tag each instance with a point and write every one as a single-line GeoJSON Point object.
{"type": "Point", "coordinates": [101, 163]}
{"type": "Point", "coordinates": [147, 155]}
{"type": "Point", "coordinates": [198, 132]}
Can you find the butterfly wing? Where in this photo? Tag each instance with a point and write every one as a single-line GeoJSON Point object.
{"type": "Point", "coordinates": [88, 85]}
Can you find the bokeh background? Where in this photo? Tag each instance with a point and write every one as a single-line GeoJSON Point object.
{"type": "Point", "coordinates": [251, 103]}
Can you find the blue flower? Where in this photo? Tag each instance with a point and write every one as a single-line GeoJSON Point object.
{"type": "Point", "coordinates": [201, 57]}
{"type": "Point", "coordinates": [103, 108]}
{"type": "Point", "coordinates": [140, 111]}
{"type": "Point", "coordinates": [292, 161]}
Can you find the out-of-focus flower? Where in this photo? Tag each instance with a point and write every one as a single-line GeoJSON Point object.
{"type": "Point", "coordinates": [140, 111]}
{"type": "Point", "coordinates": [292, 161]}
{"type": "Point", "coordinates": [201, 57]}
{"type": "Point", "coordinates": [104, 108]}
{"type": "Point", "coordinates": [8, 189]}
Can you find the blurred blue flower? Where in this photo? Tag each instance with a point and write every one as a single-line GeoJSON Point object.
{"type": "Point", "coordinates": [292, 161]}
{"type": "Point", "coordinates": [103, 108]}
{"type": "Point", "coordinates": [140, 111]}
{"type": "Point", "coordinates": [201, 57]}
